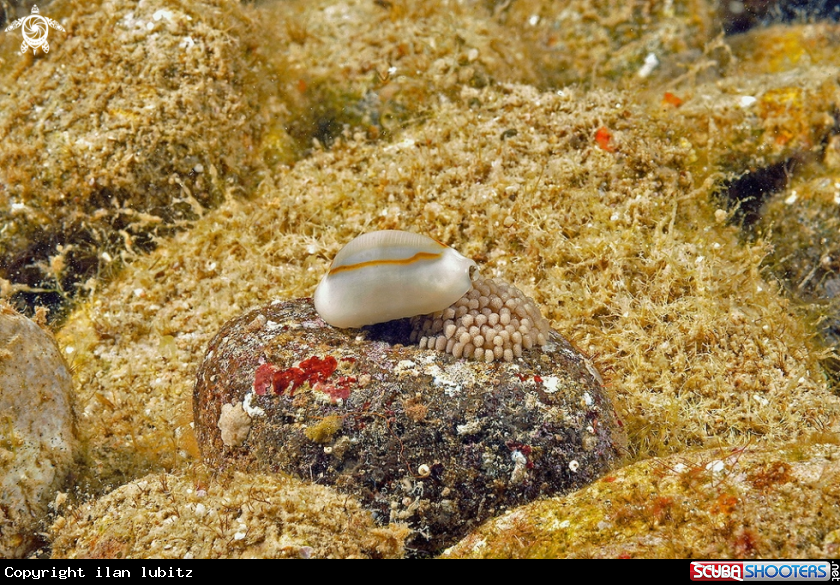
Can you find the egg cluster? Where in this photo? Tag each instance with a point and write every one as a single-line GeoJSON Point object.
{"type": "Point", "coordinates": [494, 320]}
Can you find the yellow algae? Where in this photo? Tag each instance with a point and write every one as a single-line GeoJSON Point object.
{"type": "Point", "coordinates": [139, 117]}
{"type": "Point", "coordinates": [324, 431]}
{"type": "Point", "coordinates": [740, 503]}
{"type": "Point", "coordinates": [195, 514]}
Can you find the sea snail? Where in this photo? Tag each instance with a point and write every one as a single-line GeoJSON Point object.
{"type": "Point", "coordinates": [386, 275]}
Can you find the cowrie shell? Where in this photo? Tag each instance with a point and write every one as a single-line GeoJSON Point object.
{"type": "Point", "coordinates": [391, 274]}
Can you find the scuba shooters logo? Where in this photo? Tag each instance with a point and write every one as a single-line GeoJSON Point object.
{"type": "Point", "coordinates": [35, 31]}
{"type": "Point", "coordinates": [764, 571]}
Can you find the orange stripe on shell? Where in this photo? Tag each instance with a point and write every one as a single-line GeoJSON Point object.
{"type": "Point", "coordinates": [419, 256]}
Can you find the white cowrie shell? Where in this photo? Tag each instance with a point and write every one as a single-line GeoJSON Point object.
{"type": "Point", "coordinates": [391, 274]}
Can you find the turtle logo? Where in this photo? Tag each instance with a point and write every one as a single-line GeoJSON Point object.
{"type": "Point", "coordinates": [35, 30]}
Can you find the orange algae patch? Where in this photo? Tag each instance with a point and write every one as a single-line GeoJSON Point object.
{"type": "Point", "coordinates": [670, 99]}
{"type": "Point", "coordinates": [724, 504]}
{"type": "Point", "coordinates": [603, 137]}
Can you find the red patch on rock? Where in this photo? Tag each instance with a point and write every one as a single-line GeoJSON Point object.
{"type": "Point", "coordinates": [524, 449]}
{"type": "Point", "coordinates": [313, 370]}
{"type": "Point", "coordinates": [290, 379]}
{"type": "Point", "coordinates": [263, 379]}
{"type": "Point", "coordinates": [514, 446]}
{"type": "Point", "coordinates": [339, 391]}
{"type": "Point", "coordinates": [317, 369]}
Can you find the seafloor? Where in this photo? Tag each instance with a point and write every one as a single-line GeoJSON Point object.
{"type": "Point", "coordinates": [171, 164]}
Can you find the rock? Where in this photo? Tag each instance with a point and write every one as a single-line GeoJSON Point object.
{"type": "Point", "coordinates": [587, 40]}
{"type": "Point", "coordinates": [323, 105]}
{"type": "Point", "coordinates": [801, 225]}
{"type": "Point", "coordinates": [733, 503]}
{"type": "Point", "coordinates": [191, 515]}
{"type": "Point", "coordinates": [36, 429]}
{"type": "Point", "coordinates": [419, 436]}
{"type": "Point", "coordinates": [136, 122]}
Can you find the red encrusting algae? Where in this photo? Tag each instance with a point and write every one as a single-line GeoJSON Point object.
{"type": "Point", "coordinates": [313, 370]}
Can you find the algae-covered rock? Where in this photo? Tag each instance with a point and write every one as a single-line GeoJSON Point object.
{"type": "Point", "coordinates": [802, 224]}
{"type": "Point", "coordinates": [736, 503]}
{"type": "Point", "coordinates": [745, 123]}
{"type": "Point", "coordinates": [36, 429]}
{"type": "Point", "coordinates": [771, 115]}
{"type": "Point", "coordinates": [375, 67]}
{"type": "Point", "coordinates": [777, 49]}
{"type": "Point", "coordinates": [791, 202]}
{"type": "Point", "coordinates": [417, 435]}
{"type": "Point", "coordinates": [595, 43]}
{"type": "Point", "coordinates": [141, 116]}
{"type": "Point", "coordinates": [199, 516]}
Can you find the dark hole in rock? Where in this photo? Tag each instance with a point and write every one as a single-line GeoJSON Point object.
{"type": "Point", "coordinates": [392, 332]}
{"type": "Point", "coordinates": [748, 193]}
{"type": "Point", "coordinates": [741, 15]}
